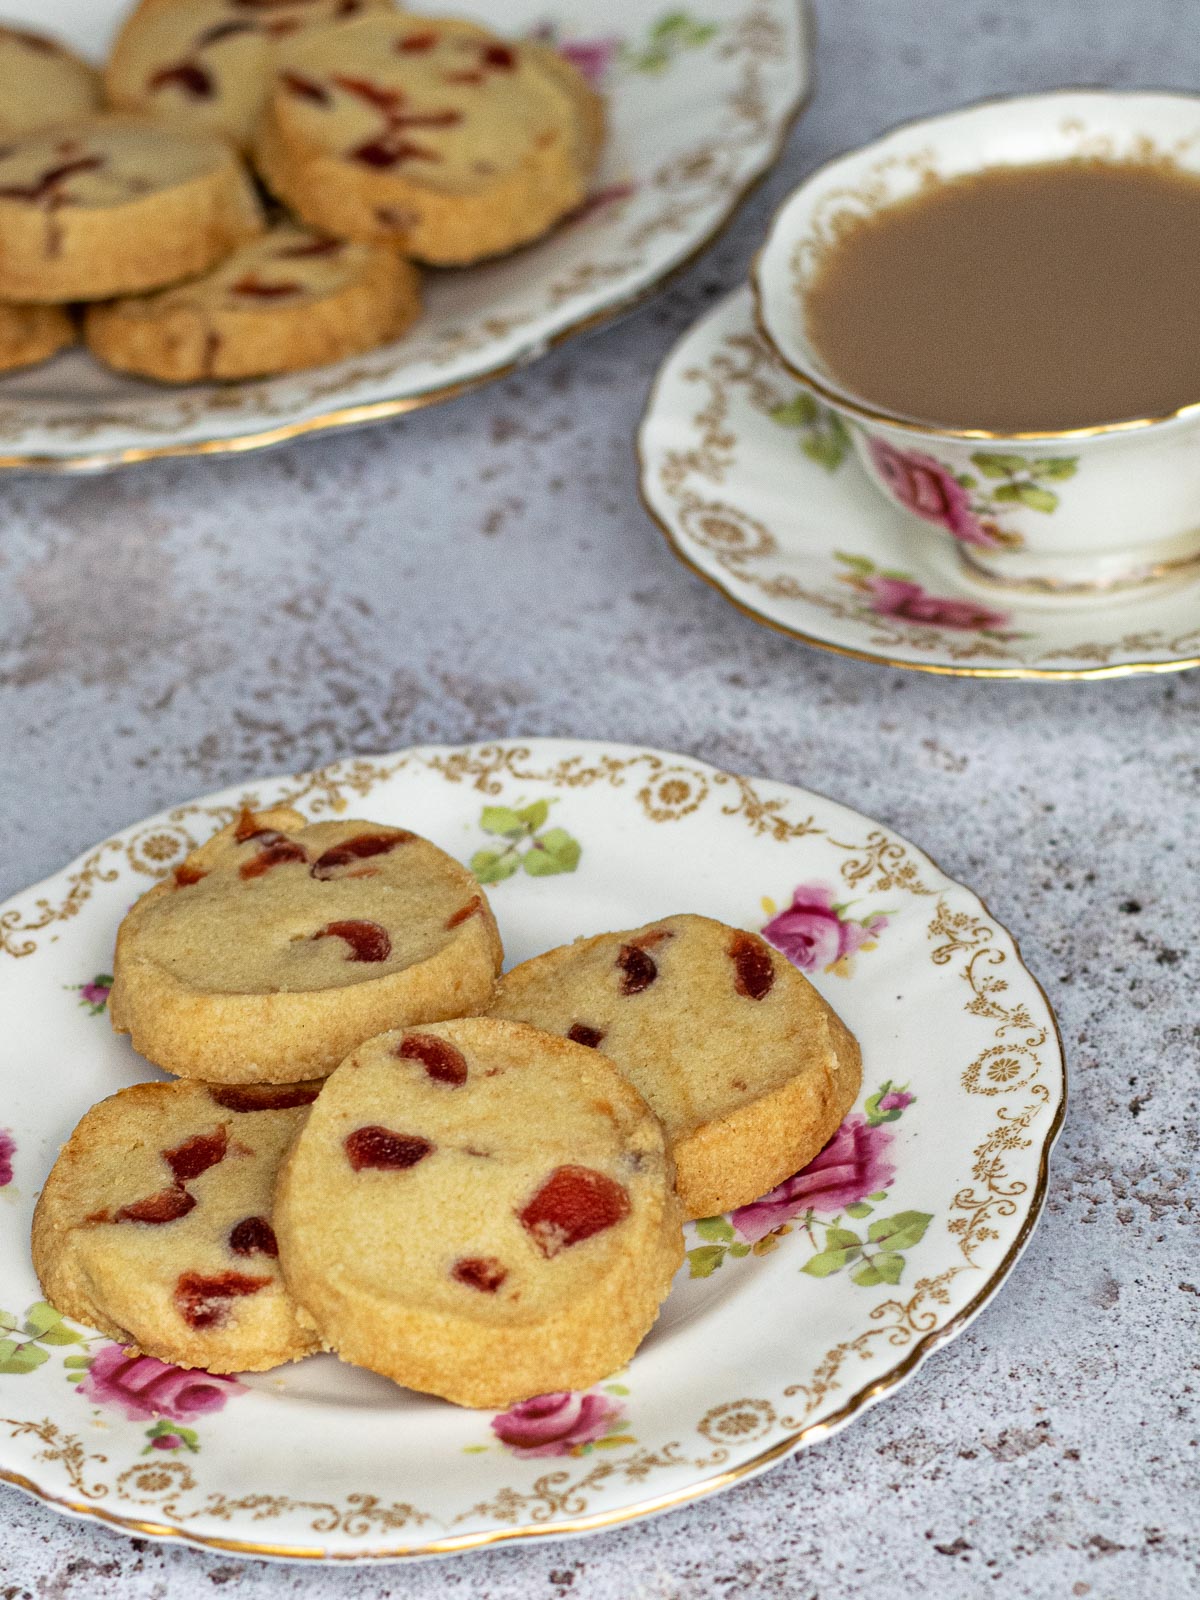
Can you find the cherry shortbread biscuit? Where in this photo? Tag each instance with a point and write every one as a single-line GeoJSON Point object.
{"type": "Point", "coordinates": [279, 945]}
{"type": "Point", "coordinates": [207, 63]}
{"type": "Point", "coordinates": [289, 300]}
{"type": "Point", "coordinates": [430, 134]}
{"type": "Point", "coordinates": [42, 82]}
{"type": "Point", "coordinates": [155, 1224]}
{"type": "Point", "coordinates": [749, 1069]}
{"type": "Point", "coordinates": [480, 1211]}
{"type": "Point", "coordinates": [29, 334]}
{"type": "Point", "coordinates": [117, 205]}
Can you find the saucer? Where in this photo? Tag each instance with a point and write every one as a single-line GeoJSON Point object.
{"type": "Point", "coordinates": [757, 488]}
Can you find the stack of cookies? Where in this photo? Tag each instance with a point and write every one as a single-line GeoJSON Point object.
{"type": "Point", "coordinates": [375, 1146]}
{"type": "Point", "coordinates": [382, 138]}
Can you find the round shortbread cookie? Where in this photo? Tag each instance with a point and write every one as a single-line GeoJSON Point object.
{"type": "Point", "coordinates": [42, 82]}
{"type": "Point", "coordinates": [279, 945]}
{"type": "Point", "coordinates": [429, 134]}
{"type": "Point", "coordinates": [480, 1211]}
{"type": "Point", "coordinates": [155, 1224]}
{"type": "Point", "coordinates": [749, 1069]}
{"type": "Point", "coordinates": [289, 300]}
{"type": "Point", "coordinates": [29, 334]}
{"type": "Point", "coordinates": [117, 205]}
{"type": "Point", "coordinates": [207, 63]}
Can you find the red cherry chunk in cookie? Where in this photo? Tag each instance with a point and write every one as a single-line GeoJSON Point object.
{"type": "Point", "coordinates": [305, 88]}
{"type": "Point", "coordinates": [638, 970]}
{"type": "Point", "coordinates": [364, 845]}
{"type": "Point", "coordinates": [253, 1236]}
{"type": "Point", "coordinates": [367, 940]}
{"type": "Point", "coordinates": [381, 1148]}
{"type": "Point", "coordinates": [581, 1033]}
{"type": "Point", "coordinates": [189, 76]}
{"type": "Point", "coordinates": [573, 1204]}
{"type": "Point", "coordinates": [256, 288]}
{"type": "Point", "coordinates": [484, 1273]}
{"type": "Point", "coordinates": [443, 1062]}
{"type": "Point", "coordinates": [264, 1096]}
{"type": "Point", "coordinates": [473, 908]}
{"type": "Point", "coordinates": [166, 1206]}
{"type": "Point", "coordinates": [195, 1155]}
{"type": "Point", "coordinates": [753, 969]}
{"type": "Point", "coordinates": [277, 851]}
{"type": "Point", "coordinates": [186, 875]}
{"type": "Point", "coordinates": [203, 1300]}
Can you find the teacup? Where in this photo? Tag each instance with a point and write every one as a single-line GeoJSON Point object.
{"type": "Point", "coordinates": [1073, 514]}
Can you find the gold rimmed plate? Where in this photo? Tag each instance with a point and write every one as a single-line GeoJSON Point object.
{"type": "Point", "coordinates": [757, 488]}
{"type": "Point", "coordinates": [789, 1316]}
{"type": "Point", "coordinates": [700, 101]}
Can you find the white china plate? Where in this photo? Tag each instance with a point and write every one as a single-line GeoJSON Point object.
{"type": "Point", "coordinates": [776, 1332]}
{"type": "Point", "coordinates": [758, 491]}
{"type": "Point", "coordinates": [699, 110]}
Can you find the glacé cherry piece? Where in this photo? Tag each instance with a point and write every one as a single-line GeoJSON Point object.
{"type": "Point", "coordinates": [754, 971]}
{"type": "Point", "coordinates": [415, 43]}
{"type": "Point", "coordinates": [186, 875]}
{"type": "Point", "coordinates": [253, 1236]}
{"type": "Point", "coordinates": [361, 848]}
{"type": "Point", "coordinates": [305, 88]}
{"type": "Point", "coordinates": [441, 1060]}
{"type": "Point", "coordinates": [581, 1033]}
{"type": "Point", "coordinates": [276, 853]}
{"type": "Point", "coordinates": [367, 940]}
{"type": "Point", "coordinates": [374, 1146]}
{"type": "Point", "coordinates": [484, 1273]}
{"type": "Point", "coordinates": [638, 970]}
{"type": "Point", "coordinates": [573, 1204]}
{"type": "Point", "coordinates": [203, 1300]}
{"type": "Point", "coordinates": [264, 1096]}
{"type": "Point", "coordinates": [168, 1205]}
{"type": "Point", "coordinates": [473, 908]}
{"type": "Point", "coordinates": [195, 1155]}
{"type": "Point", "coordinates": [189, 76]}
{"type": "Point", "coordinates": [256, 288]}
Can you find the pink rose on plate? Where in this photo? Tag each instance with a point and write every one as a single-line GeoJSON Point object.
{"type": "Point", "coordinates": [143, 1388]}
{"type": "Point", "coordinates": [850, 1167]}
{"type": "Point", "coordinates": [554, 1424]}
{"type": "Point", "coordinates": [811, 932]}
{"type": "Point", "coordinates": [8, 1149]}
{"type": "Point", "coordinates": [930, 491]}
{"type": "Point", "coordinates": [908, 602]}
{"type": "Point", "coordinates": [591, 58]}
{"type": "Point", "coordinates": [896, 1100]}
{"type": "Point", "coordinates": [96, 993]}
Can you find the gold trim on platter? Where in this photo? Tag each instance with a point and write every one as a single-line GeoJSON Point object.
{"type": "Point", "coordinates": [667, 788]}
{"type": "Point", "coordinates": [744, 103]}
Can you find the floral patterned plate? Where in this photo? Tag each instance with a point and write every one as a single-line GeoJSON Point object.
{"type": "Point", "coordinates": [700, 100]}
{"type": "Point", "coordinates": [758, 490]}
{"type": "Point", "coordinates": [788, 1317]}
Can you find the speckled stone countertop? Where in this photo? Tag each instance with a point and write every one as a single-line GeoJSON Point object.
{"type": "Point", "coordinates": [485, 569]}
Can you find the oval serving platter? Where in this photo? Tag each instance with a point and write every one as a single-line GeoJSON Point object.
{"type": "Point", "coordinates": [700, 102]}
{"type": "Point", "coordinates": [788, 1318]}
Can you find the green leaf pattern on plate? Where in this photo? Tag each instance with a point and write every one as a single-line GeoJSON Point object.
{"type": "Point", "coordinates": [523, 843]}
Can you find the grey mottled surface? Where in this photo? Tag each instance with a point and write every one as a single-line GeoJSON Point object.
{"type": "Point", "coordinates": [484, 569]}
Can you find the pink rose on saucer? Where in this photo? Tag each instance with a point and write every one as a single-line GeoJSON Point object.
{"type": "Point", "coordinates": [908, 602]}
{"type": "Point", "coordinates": [850, 1167]}
{"type": "Point", "coordinates": [554, 1424]}
{"type": "Point", "coordinates": [8, 1149]}
{"type": "Point", "coordinates": [143, 1388]}
{"type": "Point", "coordinates": [811, 932]}
{"type": "Point", "coordinates": [930, 491]}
